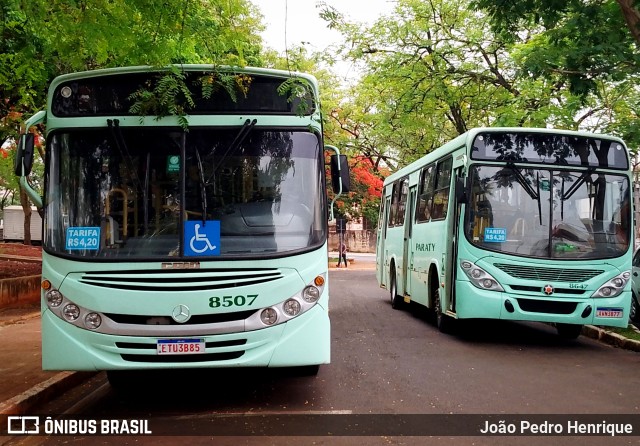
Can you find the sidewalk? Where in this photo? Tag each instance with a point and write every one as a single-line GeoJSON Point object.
{"type": "Point", "coordinates": [23, 383]}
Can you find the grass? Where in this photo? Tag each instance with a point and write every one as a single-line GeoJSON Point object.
{"type": "Point", "coordinates": [630, 332]}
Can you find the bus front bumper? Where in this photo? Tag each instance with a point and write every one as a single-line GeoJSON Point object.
{"type": "Point", "coordinates": [304, 340]}
{"type": "Point", "coordinates": [476, 303]}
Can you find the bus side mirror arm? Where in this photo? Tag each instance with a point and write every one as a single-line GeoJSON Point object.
{"type": "Point", "coordinates": [339, 176]}
{"type": "Point", "coordinates": [24, 157]}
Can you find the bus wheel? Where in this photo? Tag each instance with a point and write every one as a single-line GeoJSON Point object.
{"type": "Point", "coordinates": [307, 370]}
{"type": "Point", "coordinates": [444, 323]}
{"type": "Point", "coordinates": [569, 331]}
{"type": "Point", "coordinates": [396, 301]}
{"type": "Point", "coordinates": [634, 311]}
{"type": "Point", "coordinates": [121, 379]}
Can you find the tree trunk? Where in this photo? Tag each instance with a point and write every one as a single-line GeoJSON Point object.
{"type": "Point", "coordinates": [26, 207]}
{"type": "Point", "coordinates": [631, 16]}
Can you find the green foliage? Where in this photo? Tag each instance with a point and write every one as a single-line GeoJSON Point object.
{"type": "Point", "coordinates": [578, 43]}
{"type": "Point", "coordinates": [169, 96]}
{"type": "Point", "coordinates": [296, 89]}
{"type": "Point", "coordinates": [43, 39]}
{"type": "Point", "coordinates": [433, 70]}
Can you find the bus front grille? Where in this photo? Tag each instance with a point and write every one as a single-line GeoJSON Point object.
{"type": "Point", "coordinates": [550, 274]}
{"type": "Point", "coordinates": [546, 306]}
{"type": "Point", "coordinates": [205, 357]}
{"type": "Point", "coordinates": [148, 352]}
{"type": "Point", "coordinates": [539, 289]}
{"type": "Point", "coordinates": [196, 319]}
{"type": "Point", "coordinates": [180, 280]}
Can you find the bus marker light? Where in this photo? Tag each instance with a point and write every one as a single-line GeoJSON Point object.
{"type": "Point", "coordinates": [46, 285]}
{"type": "Point", "coordinates": [318, 281]}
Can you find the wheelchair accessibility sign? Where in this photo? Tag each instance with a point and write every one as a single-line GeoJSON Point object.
{"type": "Point", "coordinates": [202, 238]}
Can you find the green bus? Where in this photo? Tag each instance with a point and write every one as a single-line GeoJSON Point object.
{"type": "Point", "coordinates": [518, 224]}
{"type": "Point", "coordinates": [194, 239]}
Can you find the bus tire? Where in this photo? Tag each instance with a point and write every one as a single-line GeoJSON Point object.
{"type": "Point", "coordinates": [307, 370]}
{"type": "Point", "coordinates": [396, 300]}
{"type": "Point", "coordinates": [121, 380]}
{"type": "Point", "coordinates": [569, 331]}
{"type": "Point", "coordinates": [634, 310]}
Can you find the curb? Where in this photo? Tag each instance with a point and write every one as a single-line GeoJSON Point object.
{"type": "Point", "coordinates": [610, 338]}
{"type": "Point", "coordinates": [52, 388]}
{"type": "Point", "coordinates": [20, 258]}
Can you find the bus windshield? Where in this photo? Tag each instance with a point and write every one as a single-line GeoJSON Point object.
{"type": "Point", "coordinates": [548, 214]}
{"type": "Point", "coordinates": [136, 187]}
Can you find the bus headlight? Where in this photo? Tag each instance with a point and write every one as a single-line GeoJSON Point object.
{"type": "Point", "coordinates": [71, 312]}
{"type": "Point", "coordinates": [294, 306]}
{"type": "Point", "coordinates": [613, 287]}
{"type": "Point", "coordinates": [479, 277]}
{"type": "Point", "coordinates": [291, 307]}
{"type": "Point", "coordinates": [92, 321]}
{"type": "Point", "coordinates": [54, 298]}
{"type": "Point", "coordinates": [269, 316]}
{"type": "Point", "coordinates": [311, 294]}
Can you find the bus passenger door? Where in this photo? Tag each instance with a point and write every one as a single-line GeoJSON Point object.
{"type": "Point", "coordinates": [452, 248]}
{"type": "Point", "coordinates": [381, 255]}
{"type": "Point", "coordinates": [407, 256]}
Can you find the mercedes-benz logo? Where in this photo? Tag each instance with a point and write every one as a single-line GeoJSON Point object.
{"type": "Point", "coordinates": [181, 314]}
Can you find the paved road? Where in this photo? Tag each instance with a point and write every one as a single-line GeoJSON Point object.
{"type": "Point", "coordinates": [389, 362]}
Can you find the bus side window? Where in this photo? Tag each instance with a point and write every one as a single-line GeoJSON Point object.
{"type": "Point", "coordinates": [402, 202]}
{"type": "Point", "coordinates": [443, 187]}
{"type": "Point", "coordinates": [425, 194]}
{"type": "Point", "coordinates": [394, 205]}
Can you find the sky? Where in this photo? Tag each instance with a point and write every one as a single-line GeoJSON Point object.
{"type": "Point", "coordinates": [303, 22]}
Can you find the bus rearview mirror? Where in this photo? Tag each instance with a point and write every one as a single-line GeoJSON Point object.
{"type": "Point", "coordinates": [24, 155]}
{"type": "Point", "coordinates": [340, 172]}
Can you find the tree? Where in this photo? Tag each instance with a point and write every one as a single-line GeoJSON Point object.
{"type": "Point", "coordinates": [576, 42]}
{"type": "Point", "coordinates": [433, 71]}
{"type": "Point", "coordinates": [43, 39]}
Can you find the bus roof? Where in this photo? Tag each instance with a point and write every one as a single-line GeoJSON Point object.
{"type": "Point", "coordinates": [267, 72]}
{"type": "Point", "coordinates": [463, 140]}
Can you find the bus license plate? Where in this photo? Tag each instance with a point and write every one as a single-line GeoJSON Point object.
{"type": "Point", "coordinates": [609, 312]}
{"type": "Point", "coordinates": [180, 346]}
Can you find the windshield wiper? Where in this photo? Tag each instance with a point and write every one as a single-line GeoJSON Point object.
{"type": "Point", "coordinates": [240, 137]}
{"type": "Point", "coordinates": [572, 190]}
{"type": "Point", "coordinates": [534, 194]}
{"type": "Point", "coordinates": [523, 182]}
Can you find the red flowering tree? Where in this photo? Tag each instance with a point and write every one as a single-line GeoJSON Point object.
{"type": "Point", "coordinates": [366, 190]}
